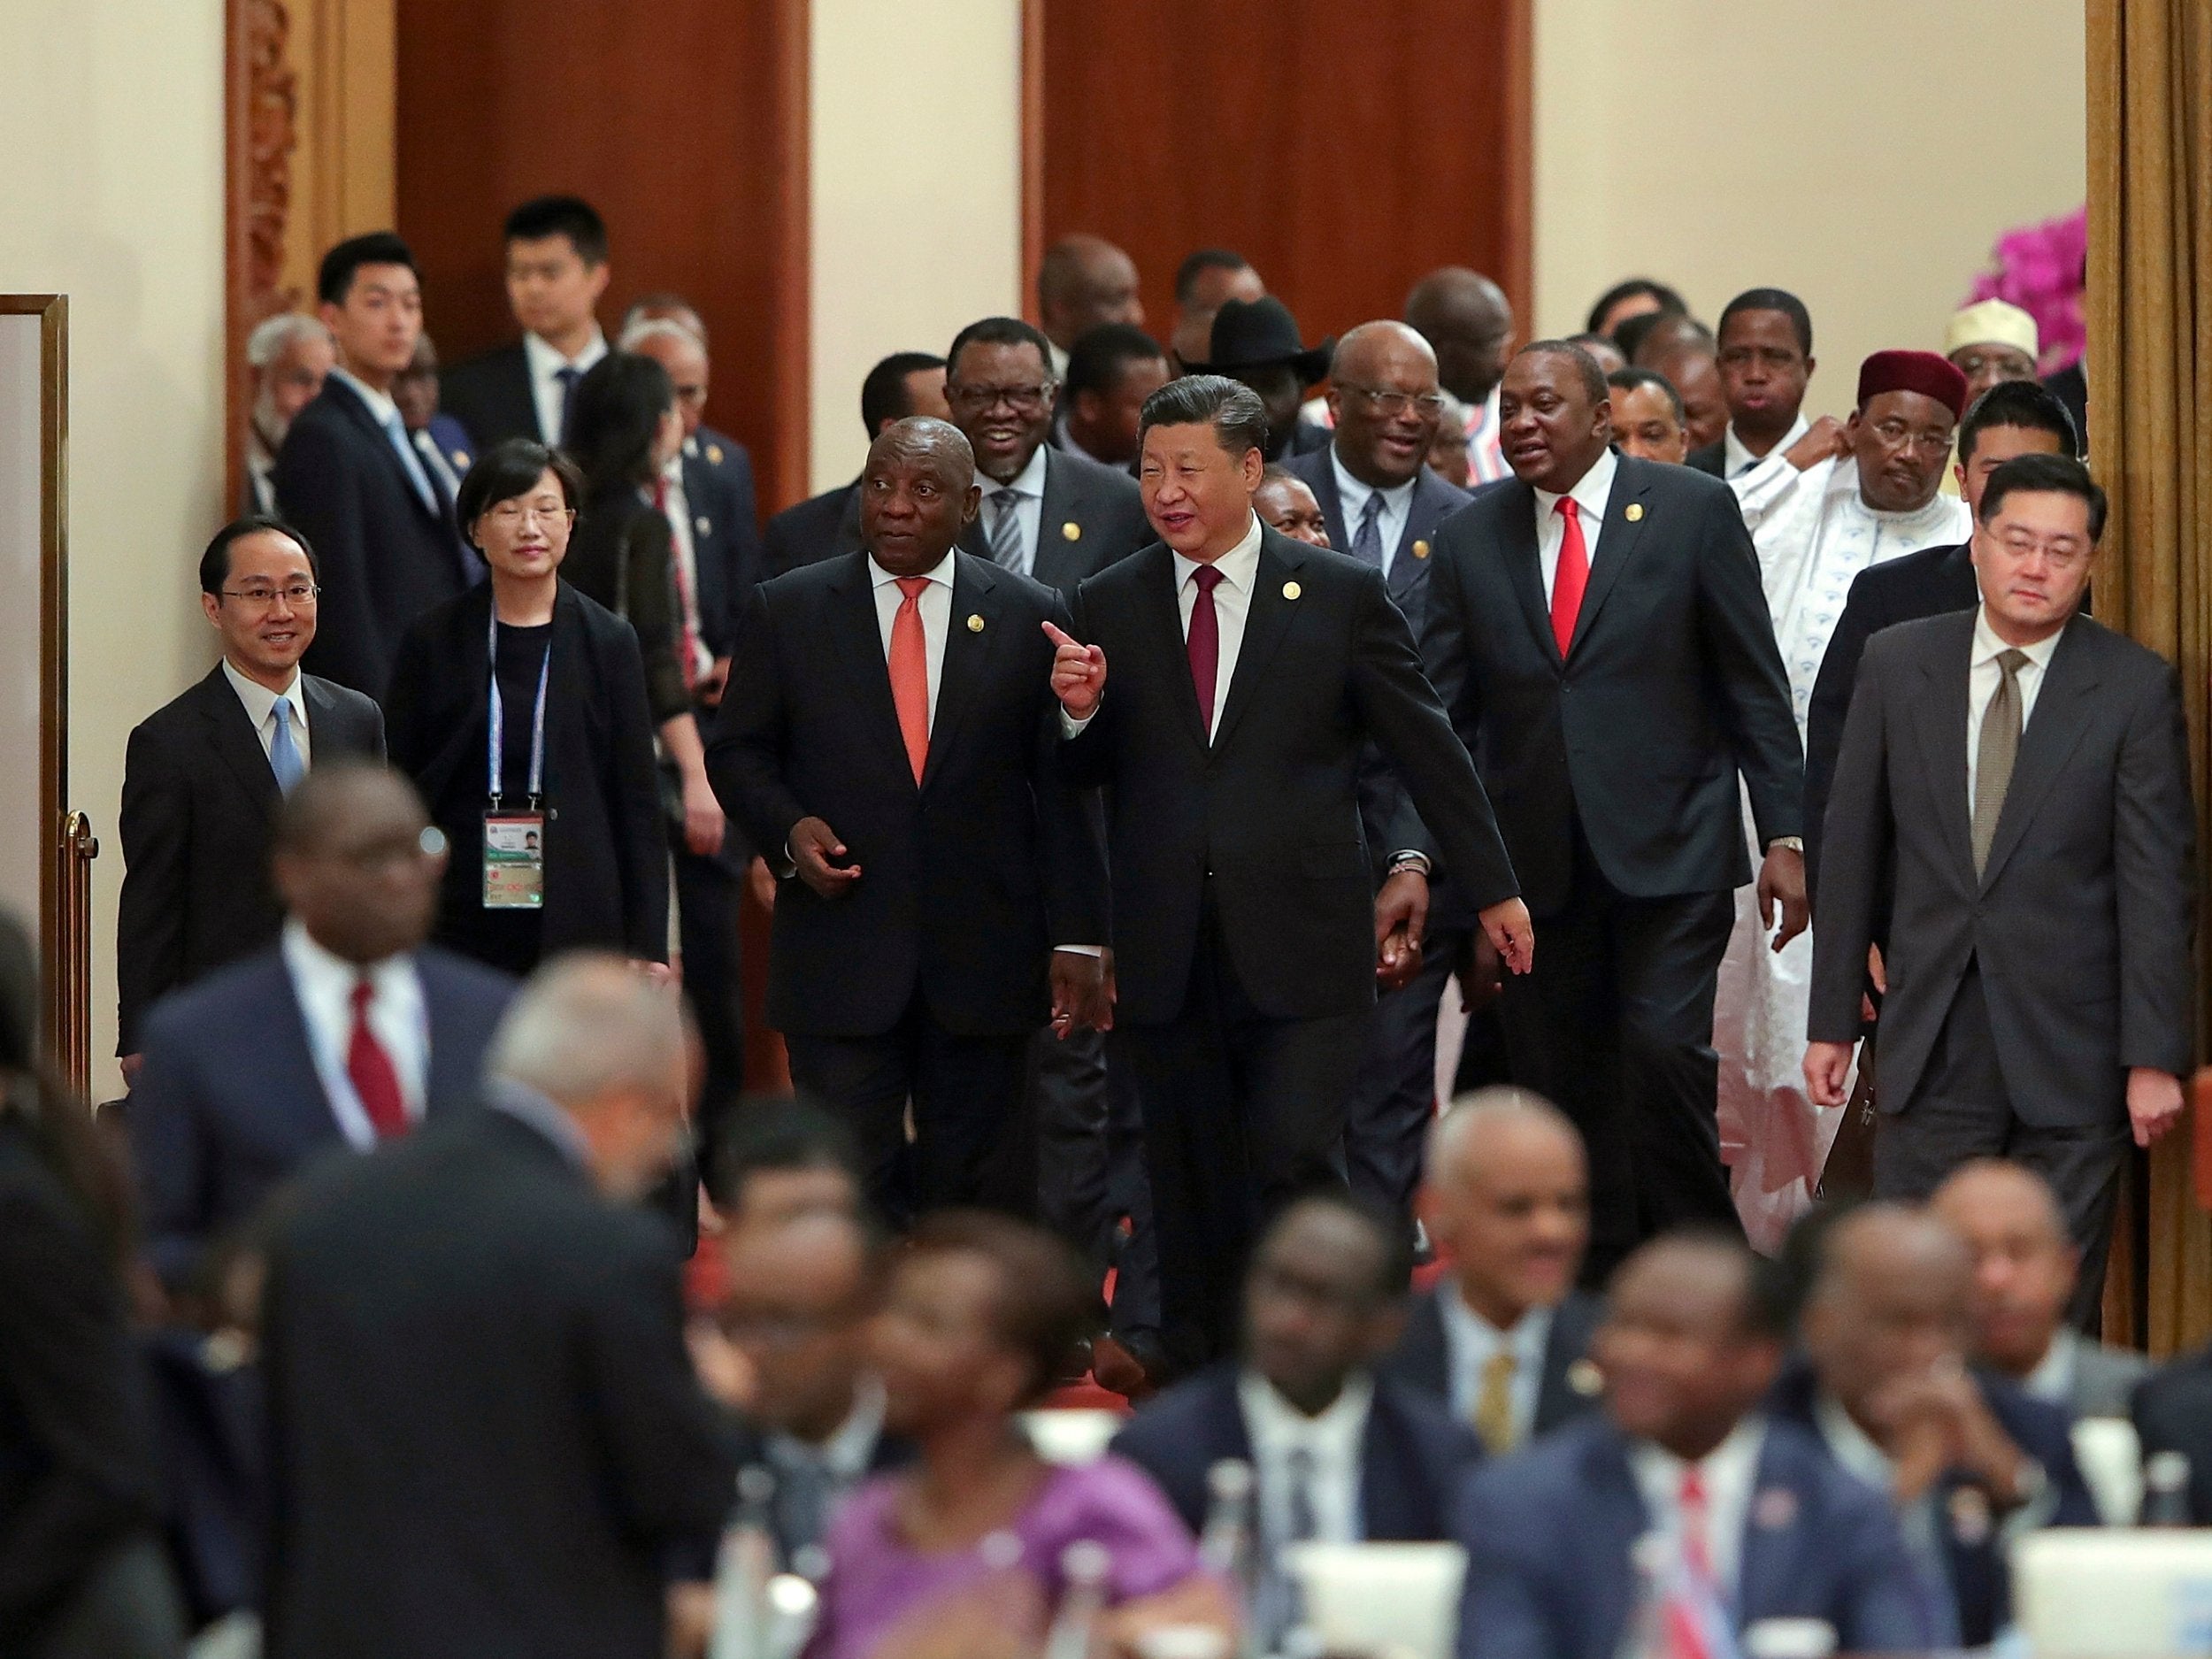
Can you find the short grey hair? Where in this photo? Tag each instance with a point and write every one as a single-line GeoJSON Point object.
{"type": "Point", "coordinates": [586, 1025]}
{"type": "Point", "coordinates": [273, 335]}
{"type": "Point", "coordinates": [645, 328]}
{"type": "Point", "coordinates": [1470, 1114]}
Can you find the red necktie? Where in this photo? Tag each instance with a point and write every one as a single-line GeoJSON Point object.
{"type": "Point", "coordinates": [1573, 576]}
{"type": "Point", "coordinates": [374, 1079]}
{"type": "Point", "coordinates": [1697, 1554]}
{"type": "Point", "coordinates": [688, 649]}
{"type": "Point", "coordinates": [909, 673]}
{"type": "Point", "coordinates": [1204, 644]}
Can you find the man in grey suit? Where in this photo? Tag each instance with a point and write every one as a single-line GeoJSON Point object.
{"type": "Point", "coordinates": [2023, 772]}
{"type": "Point", "coordinates": [2025, 1272]}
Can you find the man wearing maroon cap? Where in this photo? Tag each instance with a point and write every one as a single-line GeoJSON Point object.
{"type": "Point", "coordinates": [1845, 496]}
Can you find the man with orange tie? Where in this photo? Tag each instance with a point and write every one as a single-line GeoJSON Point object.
{"type": "Point", "coordinates": [1596, 629]}
{"type": "Point", "coordinates": [889, 740]}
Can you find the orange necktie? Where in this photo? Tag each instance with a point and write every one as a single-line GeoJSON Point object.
{"type": "Point", "coordinates": [1571, 576]}
{"type": "Point", "coordinates": [909, 673]}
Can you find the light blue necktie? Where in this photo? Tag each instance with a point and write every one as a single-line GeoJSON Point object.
{"type": "Point", "coordinates": [284, 753]}
{"type": "Point", "coordinates": [1367, 540]}
{"type": "Point", "coordinates": [395, 430]}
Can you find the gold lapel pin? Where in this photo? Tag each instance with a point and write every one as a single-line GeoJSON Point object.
{"type": "Point", "coordinates": [1585, 1378]}
{"type": "Point", "coordinates": [714, 453]}
{"type": "Point", "coordinates": [1071, 530]}
{"type": "Point", "coordinates": [1291, 590]}
{"type": "Point", "coordinates": [1420, 549]}
{"type": "Point", "coordinates": [704, 528]}
{"type": "Point", "coordinates": [1635, 511]}
{"type": "Point", "coordinates": [461, 459]}
{"type": "Point", "coordinates": [975, 623]}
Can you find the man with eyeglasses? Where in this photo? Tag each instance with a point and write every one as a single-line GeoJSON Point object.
{"type": "Point", "coordinates": [203, 777]}
{"type": "Point", "coordinates": [1382, 503]}
{"type": "Point", "coordinates": [2024, 773]}
{"type": "Point", "coordinates": [345, 1033]}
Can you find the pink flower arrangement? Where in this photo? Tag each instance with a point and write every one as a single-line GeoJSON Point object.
{"type": "Point", "coordinates": [2039, 269]}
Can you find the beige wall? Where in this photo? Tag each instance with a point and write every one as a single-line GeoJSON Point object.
{"type": "Point", "coordinates": [111, 191]}
{"type": "Point", "coordinates": [1864, 156]}
{"type": "Point", "coordinates": [916, 193]}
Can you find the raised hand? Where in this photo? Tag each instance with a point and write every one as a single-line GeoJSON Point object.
{"type": "Point", "coordinates": [1078, 674]}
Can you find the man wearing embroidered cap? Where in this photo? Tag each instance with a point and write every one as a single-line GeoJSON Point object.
{"type": "Point", "coordinates": [1989, 342]}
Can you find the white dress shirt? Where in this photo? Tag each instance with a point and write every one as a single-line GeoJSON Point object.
{"type": "Point", "coordinates": [935, 604]}
{"type": "Point", "coordinates": [546, 364]}
{"type": "Point", "coordinates": [1729, 1472]}
{"type": "Point", "coordinates": [1239, 569]}
{"type": "Point", "coordinates": [260, 704]}
{"type": "Point", "coordinates": [1028, 486]}
{"type": "Point", "coordinates": [1735, 459]}
{"type": "Point", "coordinates": [680, 530]}
{"type": "Point", "coordinates": [1332, 1440]}
{"type": "Point", "coordinates": [1469, 1341]}
{"type": "Point", "coordinates": [398, 1016]}
{"type": "Point", "coordinates": [1390, 525]}
{"type": "Point", "coordinates": [1983, 678]}
{"type": "Point", "coordinates": [1591, 494]}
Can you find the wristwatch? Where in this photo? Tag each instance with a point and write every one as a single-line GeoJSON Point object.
{"type": "Point", "coordinates": [1787, 844]}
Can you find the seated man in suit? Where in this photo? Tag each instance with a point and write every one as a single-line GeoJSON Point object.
{"type": "Point", "coordinates": [346, 1033]}
{"type": "Point", "coordinates": [2173, 1413]}
{"type": "Point", "coordinates": [904, 384]}
{"type": "Point", "coordinates": [2024, 1270]}
{"type": "Point", "coordinates": [1502, 1338]}
{"type": "Point", "coordinates": [1969, 1461]}
{"type": "Point", "coordinates": [1683, 1509]}
{"type": "Point", "coordinates": [557, 272]}
{"type": "Point", "coordinates": [1341, 1454]}
{"type": "Point", "coordinates": [203, 775]}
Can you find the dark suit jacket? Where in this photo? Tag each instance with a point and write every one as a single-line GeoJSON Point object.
{"type": "Point", "coordinates": [1101, 504]}
{"type": "Point", "coordinates": [1411, 1460]}
{"type": "Point", "coordinates": [485, 1434]}
{"type": "Point", "coordinates": [970, 878]}
{"type": "Point", "coordinates": [1268, 809]}
{"type": "Point", "coordinates": [1433, 501]}
{"type": "Point", "coordinates": [1974, 1556]}
{"type": "Point", "coordinates": [1423, 1358]}
{"type": "Point", "coordinates": [2173, 1413]}
{"type": "Point", "coordinates": [606, 855]}
{"type": "Point", "coordinates": [230, 1104]}
{"type": "Point", "coordinates": [454, 442]}
{"type": "Point", "coordinates": [2083, 920]}
{"type": "Point", "coordinates": [622, 555]}
{"type": "Point", "coordinates": [199, 801]}
{"type": "Point", "coordinates": [822, 526]}
{"type": "Point", "coordinates": [725, 530]}
{"type": "Point", "coordinates": [76, 1470]}
{"type": "Point", "coordinates": [385, 559]}
{"type": "Point", "coordinates": [1928, 583]}
{"type": "Point", "coordinates": [1671, 686]}
{"type": "Point", "coordinates": [1549, 1535]}
{"type": "Point", "coordinates": [1710, 458]}
{"type": "Point", "coordinates": [490, 394]}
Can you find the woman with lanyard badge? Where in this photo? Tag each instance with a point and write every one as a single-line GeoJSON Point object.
{"type": "Point", "coordinates": [519, 710]}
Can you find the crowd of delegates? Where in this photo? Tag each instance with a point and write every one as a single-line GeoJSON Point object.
{"type": "Point", "coordinates": [1132, 756]}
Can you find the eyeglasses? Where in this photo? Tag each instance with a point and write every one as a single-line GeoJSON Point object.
{"type": "Point", "coordinates": [976, 399]}
{"type": "Point", "coordinates": [1895, 434]}
{"type": "Point", "coordinates": [296, 594]}
{"type": "Point", "coordinates": [1428, 404]}
{"type": "Point", "coordinates": [511, 515]}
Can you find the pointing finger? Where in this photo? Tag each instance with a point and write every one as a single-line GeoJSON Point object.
{"type": "Point", "coordinates": [1058, 635]}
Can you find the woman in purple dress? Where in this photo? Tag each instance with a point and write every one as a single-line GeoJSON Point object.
{"type": "Point", "coordinates": [960, 1555]}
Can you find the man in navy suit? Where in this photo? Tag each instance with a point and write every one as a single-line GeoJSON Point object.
{"type": "Point", "coordinates": [1752, 1520]}
{"type": "Point", "coordinates": [346, 1033]}
{"type": "Point", "coordinates": [1502, 1340]}
{"type": "Point", "coordinates": [1340, 1453]}
{"type": "Point", "coordinates": [1383, 504]}
{"type": "Point", "coordinates": [904, 384]}
{"type": "Point", "coordinates": [1969, 1460]}
{"type": "Point", "coordinates": [351, 480]}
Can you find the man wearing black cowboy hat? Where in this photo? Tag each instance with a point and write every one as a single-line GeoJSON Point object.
{"type": "Point", "coordinates": [1257, 342]}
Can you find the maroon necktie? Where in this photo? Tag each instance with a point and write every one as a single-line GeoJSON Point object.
{"type": "Point", "coordinates": [1204, 644]}
{"type": "Point", "coordinates": [374, 1079]}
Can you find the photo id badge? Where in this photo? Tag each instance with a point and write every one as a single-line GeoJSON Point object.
{"type": "Point", "coordinates": [514, 860]}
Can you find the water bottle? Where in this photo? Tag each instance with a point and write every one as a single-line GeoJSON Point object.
{"type": "Point", "coordinates": [1229, 1547]}
{"type": "Point", "coordinates": [1084, 1567]}
{"type": "Point", "coordinates": [747, 1562]}
{"type": "Point", "coordinates": [2166, 1489]}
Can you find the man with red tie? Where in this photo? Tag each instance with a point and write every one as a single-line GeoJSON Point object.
{"type": "Point", "coordinates": [889, 740]}
{"type": "Point", "coordinates": [346, 1033]}
{"type": "Point", "coordinates": [1596, 629]}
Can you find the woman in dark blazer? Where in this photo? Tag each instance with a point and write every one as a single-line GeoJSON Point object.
{"type": "Point", "coordinates": [624, 429]}
{"type": "Point", "coordinates": [83, 1575]}
{"type": "Point", "coordinates": [604, 882]}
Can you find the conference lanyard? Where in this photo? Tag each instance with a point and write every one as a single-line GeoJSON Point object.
{"type": "Point", "coordinates": [498, 739]}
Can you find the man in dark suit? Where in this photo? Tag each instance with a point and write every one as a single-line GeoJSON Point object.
{"type": "Point", "coordinates": [904, 384]}
{"type": "Point", "coordinates": [486, 1436]}
{"type": "Point", "coordinates": [1502, 1338]}
{"type": "Point", "coordinates": [443, 442]}
{"type": "Point", "coordinates": [1763, 349]}
{"type": "Point", "coordinates": [1596, 627]}
{"type": "Point", "coordinates": [2021, 772]}
{"type": "Point", "coordinates": [1113, 368]}
{"type": "Point", "coordinates": [2013, 418]}
{"type": "Point", "coordinates": [1340, 1453]}
{"type": "Point", "coordinates": [1383, 505]}
{"type": "Point", "coordinates": [345, 1034]}
{"type": "Point", "coordinates": [352, 481]}
{"type": "Point", "coordinates": [888, 738]}
{"type": "Point", "coordinates": [203, 775]}
{"type": "Point", "coordinates": [1257, 342]}
{"type": "Point", "coordinates": [2173, 1413]}
{"type": "Point", "coordinates": [557, 272]}
{"type": "Point", "coordinates": [1252, 671]}
{"type": "Point", "coordinates": [1969, 1462]}
{"type": "Point", "coordinates": [1754, 1520]}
